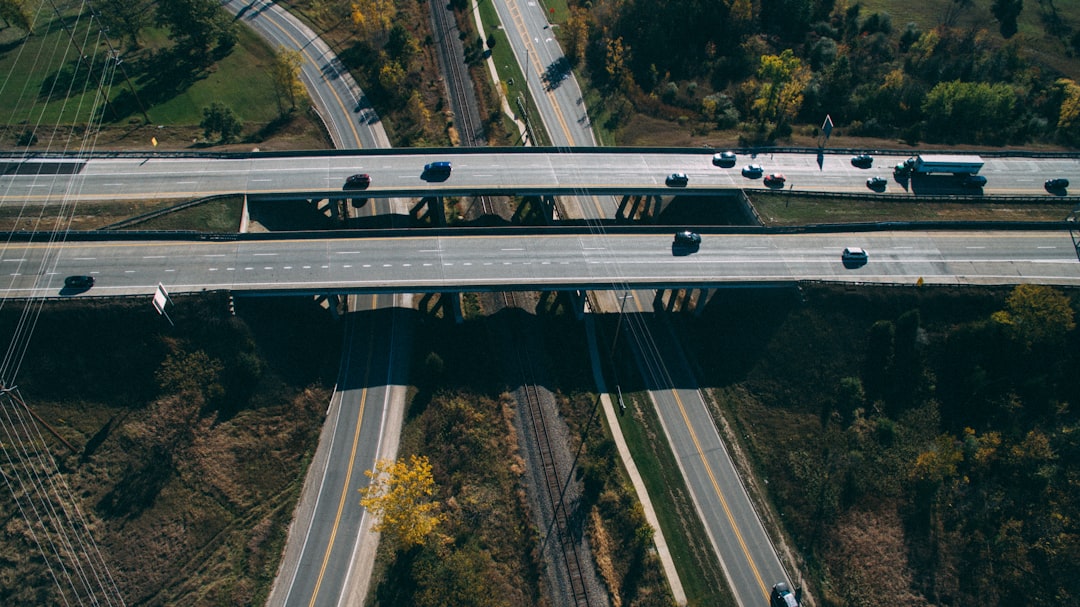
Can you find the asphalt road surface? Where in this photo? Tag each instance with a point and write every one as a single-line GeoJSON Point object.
{"type": "Point", "coordinates": [516, 262]}
{"type": "Point", "coordinates": [396, 174]}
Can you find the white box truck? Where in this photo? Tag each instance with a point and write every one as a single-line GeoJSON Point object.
{"type": "Point", "coordinates": [924, 164]}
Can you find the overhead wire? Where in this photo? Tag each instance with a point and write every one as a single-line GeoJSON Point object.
{"type": "Point", "coordinates": [40, 489]}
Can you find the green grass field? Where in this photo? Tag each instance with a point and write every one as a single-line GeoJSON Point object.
{"type": "Point", "coordinates": [44, 83]}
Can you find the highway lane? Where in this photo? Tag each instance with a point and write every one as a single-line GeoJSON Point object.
{"type": "Point", "coordinates": [481, 263]}
{"type": "Point", "coordinates": [393, 173]}
{"type": "Point", "coordinates": [736, 533]}
{"type": "Point", "coordinates": [345, 110]}
{"type": "Point", "coordinates": [330, 552]}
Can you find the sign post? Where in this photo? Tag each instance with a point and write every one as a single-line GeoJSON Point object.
{"type": "Point", "coordinates": [827, 127]}
{"type": "Point", "coordinates": [161, 299]}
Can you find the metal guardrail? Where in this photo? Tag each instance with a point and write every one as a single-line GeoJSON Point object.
{"type": "Point", "coordinates": [523, 231]}
{"type": "Point", "coordinates": [913, 197]}
{"type": "Point", "coordinates": [996, 153]}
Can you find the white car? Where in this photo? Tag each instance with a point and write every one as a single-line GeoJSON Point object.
{"type": "Point", "coordinates": [752, 171]}
{"type": "Point", "coordinates": [854, 255]}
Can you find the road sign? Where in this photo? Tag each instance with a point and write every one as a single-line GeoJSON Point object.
{"type": "Point", "coordinates": [827, 127]}
{"type": "Point", "coordinates": [161, 299]}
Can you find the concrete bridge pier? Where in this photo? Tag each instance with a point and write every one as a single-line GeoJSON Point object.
{"type": "Point", "coordinates": [443, 305]}
{"type": "Point", "coordinates": [551, 211]}
{"type": "Point", "coordinates": [431, 209]}
{"type": "Point", "coordinates": [327, 207]}
{"type": "Point", "coordinates": [681, 300]}
{"type": "Point", "coordinates": [330, 301]}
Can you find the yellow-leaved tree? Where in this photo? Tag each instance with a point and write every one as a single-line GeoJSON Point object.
{"type": "Point", "coordinates": [399, 496]}
{"type": "Point", "coordinates": [288, 87]}
{"type": "Point", "coordinates": [1036, 314]}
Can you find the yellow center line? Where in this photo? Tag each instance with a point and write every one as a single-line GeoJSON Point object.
{"type": "Point", "coordinates": [716, 488]}
{"type": "Point", "coordinates": [345, 489]}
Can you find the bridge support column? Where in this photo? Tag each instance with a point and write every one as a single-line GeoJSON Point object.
{"type": "Point", "coordinates": [702, 301]}
{"type": "Point", "coordinates": [551, 210]}
{"type": "Point", "coordinates": [653, 211]}
{"type": "Point", "coordinates": [620, 213]}
{"type": "Point", "coordinates": [430, 209]}
{"type": "Point", "coordinates": [444, 305]}
{"type": "Point", "coordinates": [327, 207]}
{"type": "Point", "coordinates": [578, 300]}
{"type": "Point", "coordinates": [331, 302]}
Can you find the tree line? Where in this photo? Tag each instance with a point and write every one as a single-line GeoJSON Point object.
{"type": "Point", "coordinates": [767, 65]}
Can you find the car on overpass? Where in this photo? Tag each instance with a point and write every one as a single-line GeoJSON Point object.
{"type": "Point", "coordinates": [863, 161]}
{"type": "Point", "coordinates": [775, 179]}
{"type": "Point", "coordinates": [437, 171]}
{"type": "Point", "coordinates": [724, 159]}
{"type": "Point", "coordinates": [854, 256]}
{"type": "Point", "coordinates": [752, 171]}
{"type": "Point", "coordinates": [876, 183]}
{"type": "Point", "coordinates": [1056, 185]}
{"type": "Point", "coordinates": [358, 181]}
{"type": "Point", "coordinates": [686, 241]}
{"type": "Point", "coordinates": [78, 282]}
{"type": "Point", "coordinates": [677, 180]}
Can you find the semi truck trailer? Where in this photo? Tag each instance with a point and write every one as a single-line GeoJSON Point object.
{"type": "Point", "coordinates": [924, 164]}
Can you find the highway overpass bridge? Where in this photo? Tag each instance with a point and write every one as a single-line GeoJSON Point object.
{"type": "Point", "coordinates": [482, 171]}
{"type": "Point", "coordinates": [438, 261]}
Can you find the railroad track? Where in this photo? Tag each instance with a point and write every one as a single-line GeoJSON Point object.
{"type": "Point", "coordinates": [459, 87]}
{"type": "Point", "coordinates": [567, 553]}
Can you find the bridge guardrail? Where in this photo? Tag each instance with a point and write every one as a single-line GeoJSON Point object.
{"type": "Point", "coordinates": [702, 150]}
{"type": "Point", "coordinates": [584, 230]}
{"type": "Point", "coordinates": [914, 198]}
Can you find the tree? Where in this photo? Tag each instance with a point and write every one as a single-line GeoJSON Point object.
{"type": "Point", "coordinates": [963, 109]}
{"type": "Point", "coordinates": [1006, 12]}
{"type": "Point", "coordinates": [125, 17]}
{"type": "Point", "coordinates": [15, 13]}
{"type": "Point", "coordinates": [616, 64]}
{"type": "Point", "coordinates": [218, 118]}
{"type": "Point", "coordinates": [373, 16]}
{"type": "Point", "coordinates": [1069, 112]}
{"type": "Point", "coordinates": [781, 81]}
{"type": "Point", "coordinates": [197, 26]}
{"type": "Point", "coordinates": [1036, 314]}
{"type": "Point", "coordinates": [399, 496]}
{"type": "Point", "coordinates": [285, 71]}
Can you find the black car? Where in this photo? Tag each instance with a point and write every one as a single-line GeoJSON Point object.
{"type": "Point", "coordinates": [677, 179]}
{"type": "Point", "coordinates": [79, 282]}
{"type": "Point", "coordinates": [1057, 184]}
{"type": "Point", "coordinates": [687, 239]}
{"type": "Point", "coordinates": [781, 596]}
{"type": "Point", "coordinates": [863, 161]}
{"type": "Point", "coordinates": [358, 181]}
{"type": "Point", "coordinates": [724, 159]}
{"type": "Point", "coordinates": [876, 183]}
{"type": "Point", "coordinates": [441, 166]}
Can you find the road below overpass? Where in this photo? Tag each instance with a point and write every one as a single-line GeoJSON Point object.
{"type": "Point", "coordinates": [442, 263]}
